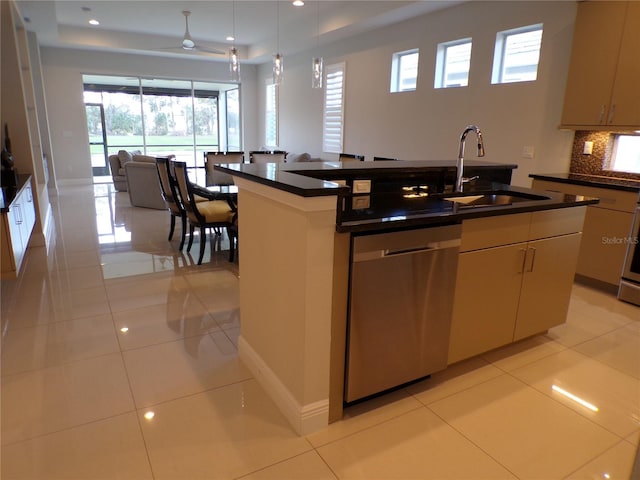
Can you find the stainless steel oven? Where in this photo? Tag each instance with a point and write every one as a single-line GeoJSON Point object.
{"type": "Point", "coordinates": [629, 290]}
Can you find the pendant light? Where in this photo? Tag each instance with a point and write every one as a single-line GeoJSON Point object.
{"type": "Point", "coordinates": [234, 59]}
{"type": "Point", "coordinates": [278, 59]}
{"type": "Point", "coordinates": [317, 62]}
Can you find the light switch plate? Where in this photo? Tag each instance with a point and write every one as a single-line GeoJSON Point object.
{"type": "Point", "coordinates": [527, 151]}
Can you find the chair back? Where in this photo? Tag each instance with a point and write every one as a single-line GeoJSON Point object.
{"type": "Point", "coordinates": [273, 156]}
{"type": "Point", "coordinates": [186, 192]}
{"type": "Point", "coordinates": [216, 177]}
{"type": "Point", "coordinates": [349, 157]}
{"type": "Point", "coordinates": [168, 186]}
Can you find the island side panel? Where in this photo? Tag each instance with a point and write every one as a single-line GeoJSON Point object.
{"type": "Point", "coordinates": [286, 287]}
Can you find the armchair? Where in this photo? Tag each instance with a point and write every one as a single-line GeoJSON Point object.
{"type": "Point", "coordinates": [143, 184]}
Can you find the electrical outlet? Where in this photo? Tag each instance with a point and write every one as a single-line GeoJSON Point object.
{"type": "Point", "coordinates": [360, 202]}
{"type": "Point", "coordinates": [588, 148]}
{"type": "Point", "coordinates": [362, 186]}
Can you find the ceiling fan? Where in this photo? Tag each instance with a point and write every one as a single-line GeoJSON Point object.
{"type": "Point", "coordinates": [189, 44]}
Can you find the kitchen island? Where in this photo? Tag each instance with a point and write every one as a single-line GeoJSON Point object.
{"type": "Point", "coordinates": [296, 224]}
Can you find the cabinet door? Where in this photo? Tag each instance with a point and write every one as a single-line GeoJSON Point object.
{"type": "Point", "coordinates": [16, 220]}
{"type": "Point", "coordinates": [486, 300]}
{"type": "Point", "coordinates": [546, 284]}
{"type": "Point", "coordinates": [625, 100]}
{"type": "Point", "coordinates": [29, 211]}
{"type": "Point", "coordinates": [594, 57]}
{"type": "Point", "coordinates": [603, 244]}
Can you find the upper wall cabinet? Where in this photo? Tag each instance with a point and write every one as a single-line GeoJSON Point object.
{"type": "Point", "coordinates": [604, 73]}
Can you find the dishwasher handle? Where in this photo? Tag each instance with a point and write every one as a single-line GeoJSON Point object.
{"type": "Point", "coordinates": [384, 253]}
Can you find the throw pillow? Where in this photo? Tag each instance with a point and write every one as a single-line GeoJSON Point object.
{"type": "Point", "coordinates": [298, 157]}
{"type": "Point", "coordinates": [124, 157]}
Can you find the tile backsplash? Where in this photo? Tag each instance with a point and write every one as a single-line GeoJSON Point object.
{"type": "Point", "coordinates": [595, 164]}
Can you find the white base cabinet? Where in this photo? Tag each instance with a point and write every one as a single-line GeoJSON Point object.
{"type": "Point", "coordinates": [606, 228]}
{"type": "Point", "coordinates": [515, 275]}
{"type": "Point", "coordinates": [16, 227]}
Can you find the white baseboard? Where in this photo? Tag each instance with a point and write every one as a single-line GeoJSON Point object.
{"type": "Point", "coordinates": [305, 419]}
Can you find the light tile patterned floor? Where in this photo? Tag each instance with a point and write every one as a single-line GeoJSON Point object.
{"type": "Point", "coordinates": [115, 323]}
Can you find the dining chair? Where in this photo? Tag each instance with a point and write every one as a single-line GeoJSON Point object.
{"type": "Point", "coordinates": [171, 197]}
{"type": "Point", "coordinates": [215, 214]}
{"type": "Point", "coordinates": [384, 159]}
{"type": "Point", "coordinates": [273, 156]}
{"type": "Point", "coordinates": [215, 176]}
{"type": "Point", "coordinates": [349, 157]}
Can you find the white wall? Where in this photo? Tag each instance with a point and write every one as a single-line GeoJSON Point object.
{"type": "Point", "coordinates": [62, 70]}
{"type": "Point", "coordinates": [426, 124]}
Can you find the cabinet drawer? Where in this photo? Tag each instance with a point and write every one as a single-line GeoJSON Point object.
{"type": "Point", "coordinates": [551, 223]}
{"type": "Point", "coordinates": [620, 200]}
{"type": "Point", "coordinates": [489, 232]}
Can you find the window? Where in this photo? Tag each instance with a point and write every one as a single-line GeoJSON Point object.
{"type": "Point", "coordinates": [516, 55]}
{"type": "Point", "coordinates": [452, 64]}
{"type": "Point", "coordinates": [232, 100]}
{"type": "Point", "coordinates": [156, 116]}
{"type": "Point", "coordinates": [271, 115]}
{"type": "Point", "coordinates": [333, 118]}
{"type": "Point", "coordinates": [404, 71]}
{"type": "Point", "coordinates": [626, 154]}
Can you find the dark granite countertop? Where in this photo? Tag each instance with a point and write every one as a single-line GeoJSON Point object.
{"type": "Point", "coordinates": [313, 179]}
{"type": "Point", "coordinates": [388, 207]}
{"type": "Point", "coordinates": [389, 211]}
{"type": "Point", "coordinates": [9, 194]}
{"type": "Point", "coordinates": [597, 181]}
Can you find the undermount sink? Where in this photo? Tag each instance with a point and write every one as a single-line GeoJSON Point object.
{"type": "Point", "coordinates": [494, 199]}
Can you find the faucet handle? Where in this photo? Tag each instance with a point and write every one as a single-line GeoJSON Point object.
{"type": "Point", "coordinates": [470, 179]}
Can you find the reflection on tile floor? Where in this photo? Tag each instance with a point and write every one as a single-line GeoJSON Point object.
{"type": "Point", "coordinates": [114, 323]}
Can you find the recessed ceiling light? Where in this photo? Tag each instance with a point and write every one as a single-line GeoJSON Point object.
{"type": "Point", "coordinates": [230, 38]}
{"type": "Point", "coordinates": [298, 3]}
{"type": "Point", "coordinates": [93, 21]}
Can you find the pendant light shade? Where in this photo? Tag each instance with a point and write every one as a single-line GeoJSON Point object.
{"type": "Point", "coordinates": [316, 72]}
{"type": "Point", "coordinates": [278, 59]}
{"type": "Point", "coordinates": [278, 68]}
{"type": "Point", "coordinates": [317, 62]}
{"type": "Point", "coordinates": [234, 59]}
{"type": "Point", "coordinates": [234, 64]}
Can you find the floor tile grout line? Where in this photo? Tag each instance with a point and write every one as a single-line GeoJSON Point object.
{"type": "Point", "coordinates": [458, 391]}
{"type": "Point", "coordinates": [60, 364]}
{"type": "Point", "coordinates": [368, 427]}
{"type": "Point", "coordinates": [566, 407]}
{"type": "Point", "coordinates": [68, 428]}
{"type": "Point", "coordinates": [472, 442]}
{"type": "Point", "coordinates": [592, 459]}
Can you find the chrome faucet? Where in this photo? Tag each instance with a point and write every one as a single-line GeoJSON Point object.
{"type": "Point", "coordinates": [460, 164]}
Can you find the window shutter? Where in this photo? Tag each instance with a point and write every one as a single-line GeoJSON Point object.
{"type": "Point", "coordinates": [271, 116]}
{"type": "Point", "coordinates": [333, 119]}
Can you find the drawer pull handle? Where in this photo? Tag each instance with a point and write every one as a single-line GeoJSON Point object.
{"type": "Point", "coordinates": [612, 112]}
{"type": "Point", "coordinates": [533, 258]}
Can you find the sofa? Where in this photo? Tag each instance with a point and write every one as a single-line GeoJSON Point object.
{"type": "Point", "coordinates": [137, 174]}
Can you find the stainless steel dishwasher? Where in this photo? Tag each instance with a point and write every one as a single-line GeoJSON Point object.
{"type": "Point", "coordinates": [400, 305]}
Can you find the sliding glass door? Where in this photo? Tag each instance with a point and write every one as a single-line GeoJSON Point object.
{"type": "Point", "coordinates": [97, 139]}
{"type": "Point", "coordinates": [165, 117]}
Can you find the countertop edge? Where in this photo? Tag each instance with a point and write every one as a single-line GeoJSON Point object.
{"type": "Point", "coordinates": [416, 221]}
{"type": "Point", "coordinates": [9, 194]}
{"type": "Point", "coordinates": [589, 182]}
